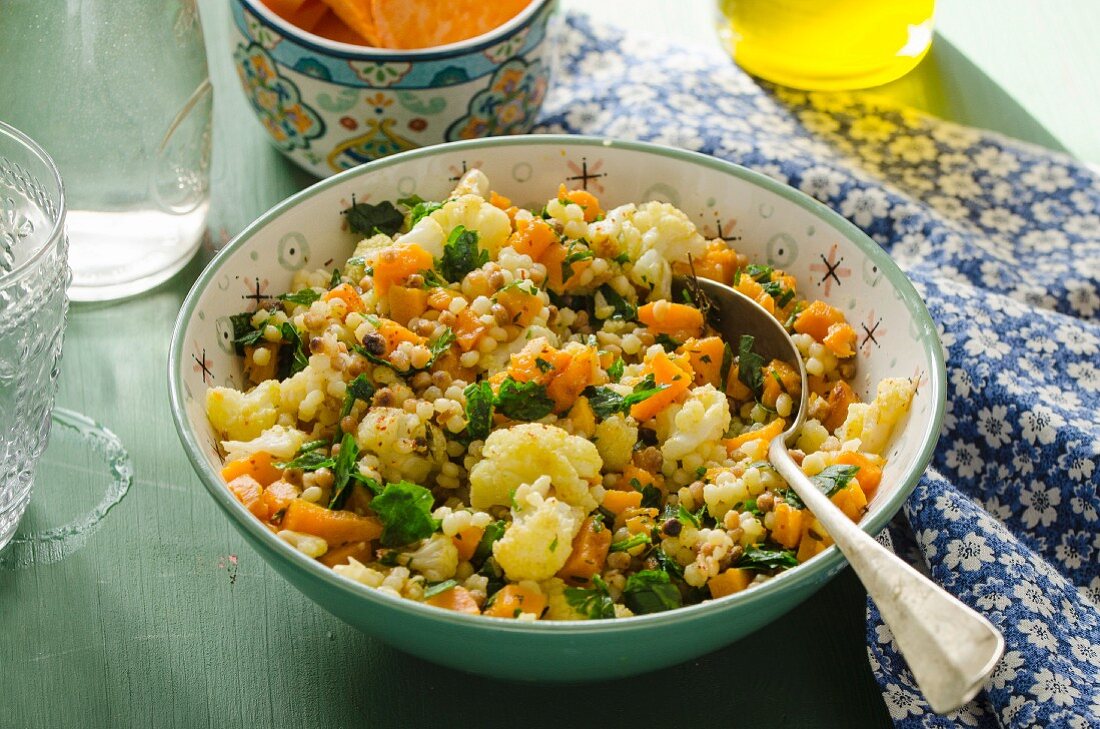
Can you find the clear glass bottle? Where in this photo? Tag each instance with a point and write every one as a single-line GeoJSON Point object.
{"type": "Point", "coordinates": [117, 92]}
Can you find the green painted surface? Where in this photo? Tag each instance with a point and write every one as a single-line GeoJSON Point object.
{"type": "Point", "coordinates": [165, 617]}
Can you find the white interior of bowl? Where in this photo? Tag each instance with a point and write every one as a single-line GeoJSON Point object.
{"type": "Point", "coordinates": [769, 222]}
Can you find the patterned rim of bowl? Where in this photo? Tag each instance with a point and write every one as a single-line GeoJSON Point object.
{"type": "Point", "coordinates": [347, 50]}
{"type": "Point", "coordinates": [829, 561]}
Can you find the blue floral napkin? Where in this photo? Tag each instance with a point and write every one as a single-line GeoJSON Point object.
{"type": "Point", "coordinates": [1003, 241]}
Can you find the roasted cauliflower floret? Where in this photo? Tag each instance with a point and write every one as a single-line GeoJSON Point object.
{"type": "Point", "coordinates": [243, 416]}
{"type": "Point", "coordinates": [436, 558]}
{"type": "Point", "coordinates": [703, 418]}
{"type": "Point", "coordinates": [407, 447]}
{"type": "Point", "coordinates": [654, 235]}
{"type": "Point", "coordinates": [470, 211]}
{"type": "Point", "coordinates": [474, 182]}
{"type": "Point", "coordinates": [540, 538]}
{"type": "Point", "coordinates": [278, 440]}
{"type": "Point", "coordinates": [615, 439]}
{"type": "Point", "coordinates": [521, 454]}
{"type": "Point", "coordinates": [872, 423]}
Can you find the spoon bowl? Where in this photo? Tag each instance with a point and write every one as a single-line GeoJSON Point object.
{"type": "Point", "coordinates": [950, 648]}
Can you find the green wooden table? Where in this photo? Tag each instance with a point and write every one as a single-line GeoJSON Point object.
{"type": "Point", "coordinates": [151, 611]}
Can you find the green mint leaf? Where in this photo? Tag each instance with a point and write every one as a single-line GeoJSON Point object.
{"type": "Point", "coordinates": [366, 219]}
{"type": "Point", "coordinates": [750, 365]}
{"type": "Point", "coordinates": [305, 297]}
{"type": "Point", "coordinates": [525, 401]}
{"type": "Point", "coordinates": [605, 402]}
{"type": "Point", "coordinates": [759, 273]}
{"type": "Point", "coordinates": [292, 356]}
{"type": "Point", "coordinates": [309, 461]}
{"type": "Point", "coordinates": [755, 558]}
{"type": "Point", "coordinates": [669, 344]}
{"type": "Point", "coordinates": [341, 472]}
{"type": "Point", "coordinates": [439, 587]}
{"type": "Point", "coordinates": [670, 566]}
{"type": "Point", "coordinates": [418, 208]}
{"type": "Point", "coordinates": [623, 309]}
{"type": "Point", "coordinates": [479, 410]}
{"type": "Point", "coordinates": [461, 255]}
{"type": "Point", "coordinates": [244, 334]}
{"type": "Point", "coordinates": [834, 478]}
{"type": "Point", "coordinates": [358, 389]}
{"type": "Point", "coordinates": [484, 550]}
{"type": "Point", "coordinates": [622, 258]}
{"type": "Point", "coordinates": [615, 371]}
{"type": "Point", "coordinates": [573, 256]}
{"type": "Point", "coordinates": [793, 500]}
{"type": "Point", "coordinates": [594, 604]}
{"type": "Point", "coordinates": [628, 544]}
{"type": "Point", "coordinates": [686, 517]}
{"type": "Point", "coordinates": [406, 513]}
{"type": "Point", "coordinates": [651, 591]}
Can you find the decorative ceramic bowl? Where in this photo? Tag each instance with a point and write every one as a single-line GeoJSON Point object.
{"type": "Point", "coordinates": [330, 106]}
{"type": "Point", "coordinates": [772, 223]}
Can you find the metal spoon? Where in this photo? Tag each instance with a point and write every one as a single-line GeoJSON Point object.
{"type": "Point", "coordinates": [951, 649]}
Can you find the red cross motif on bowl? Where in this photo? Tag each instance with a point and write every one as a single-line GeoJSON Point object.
{"type": "Point", "coordinates": [587, 175]}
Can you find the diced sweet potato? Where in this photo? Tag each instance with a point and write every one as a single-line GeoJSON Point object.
{"type": "Point", "coordinates": [768, 432]}
{"type": "Point", "coordinates": [679, 321]}
{"type": "Point", "coordinates": [665, 372]}
{"type": "Point", "coordinates": [407, 303]}
{"type": "Point", "coordinates": [356, 550]}
{"type": "Point", "coordinates": [589, 554]}
{"type": "Point", "coordinates": [838, 399]}
{"type": "Point", "coordinates": [585, 199]}
{"type": "Point", "coordinates": [788, 525]}
{"type": "Point", "coordinates": [870, 465]}
{"type": "Point", "coordinates": [779, 378]}
{"type": "Point", "coordinates": [532, 237]}
{"type": "Point", "coordinates": [706, 357]}
{"type": "Point", "coordinates": [347, 294]}
{"type": "Point", "coordinates": [457, 598]}
{"type": "Point", "coordinates": [396, 263]}
{"type": "Point", "coordinates": [567, 383]}
{"type": "Point", "coordinates": [511, 600]}
{"type": "Point", "coordinates": [851, 500]}
{"type": "Point", "coordinates": [466, 541]}
{"type": "Point", "coordinates": [260, 466]}
{"type": "Point", "coordinates": [249, 491]}
{"type": "Point", "coordinates": [732, 580]}
{"type": "Point", "coordinates": [619, 501]}
{"type": "Point", "coordinates": [335, 527]}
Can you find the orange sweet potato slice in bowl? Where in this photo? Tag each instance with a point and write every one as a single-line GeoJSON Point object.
{"type": "Point", "coordinates": [429, 23]}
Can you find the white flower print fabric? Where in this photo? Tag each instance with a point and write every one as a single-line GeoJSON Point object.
{"type": "Point", "coordinates": [1003, 241]}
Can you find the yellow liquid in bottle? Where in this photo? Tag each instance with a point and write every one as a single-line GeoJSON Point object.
{"type": "Point", "coordinates": [827, 44]}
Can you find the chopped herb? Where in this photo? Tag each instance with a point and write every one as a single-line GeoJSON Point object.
{"type": "Point", "coordinates": [686, 517]}
{"type": "Point", "coordinates": [792, 498]}
{"type": "Point", "coordinates": [651, 591]}
{"type": "Point", "coordinates": [606, 402]}
{"type": "Point", "coordinates": [727, 363]}
{"type": "Point", "coordinates": [439, 587]}
{"type": "Point", "coordinates": [441, 344]}
{"type": "Point", "coordinates": [432, 279]}
{"type": "Point", "coordinates": [358, 389]}
{"type": "Point", "coordinates": [750, 506]}
{"type": "Point", "coordinates": [370, 483]}
{"type": "Point", "coordinates": [622, 258]}
{"type": "Point", "coordinates": [615, 371]}
{"type": "Point", "coordinates": [554, 545]}
{"type": "Point", "coordinates": [573, 257]}
{"type": "Point", "coordinates": [522, 284]}
{"type": "Point", "coordinates": [342, 470]}
{"type": "Point", "coordinates": [244, 334]}
{"type": "Point", "coordinates": [357, 261]}
{"type": "Point", "coordinates": [623, 309]}
{"type": "Point", "coordinates": [700, 472]}
{"type": "Point", "coordinates": [484, 549]}
{"type": "Point", "coordinates": [543, 365]}
{"type": "Point", "coordinates": [418, 208]}
{"type": "Point", "coordinates": [594, 604]}
{"type": "Point", "coordinates": [749, 365]}
{"type": "Point", "coordinates": [406, 513]}
{"type": "Point", "coordinates": [367, 219]}
{"type": "Point", "coordinates": [297, 360]}
{"type": "Point", "coordinates": [834, 478]}
{"type": "Point", "coordinates": [524, 401]}
{"type": "Point", "coordinates": [305, 297]}
{"type": "Point", "coordinates": [312, 445]}
{"type": "Point", "coordinates": [479, 410]}
{"type": "Point", "coordinates": [755, 558]}
{"type": "Point", "coordinates": [784, 298]}
{"type": "Point", "coordinates": [673, 568]}
{"type": "Point", "coordinates": [334, 279]}
{"type": "Point", "coordinates": [651, 496]}
{"type": "Point", "coordinates": [794, 314]}
{"type": "Point", "coordinates": [371, 356]}
{"type": "Point", "coordinates": [461, 254]}
{"type": "Point", "coordinates": [759, 273]}
{"type": "Point", "coordinates": [626, 545]}
{"type": "Point", "coordinates": [309, 461]}
{"type": "Point", "coordinates": [670, 344]}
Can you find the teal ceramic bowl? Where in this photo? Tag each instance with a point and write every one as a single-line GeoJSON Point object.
{"type": "Point", "coordinates": [330, 106]}
{"type": "Point", "coordinates": [772, 223]}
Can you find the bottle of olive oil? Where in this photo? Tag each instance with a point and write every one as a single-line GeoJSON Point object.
{"type": "Point", "coordinates": [827, 44]}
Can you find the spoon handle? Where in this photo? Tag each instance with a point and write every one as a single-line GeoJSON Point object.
{"type": "Point", "coordinates": [950, 648]}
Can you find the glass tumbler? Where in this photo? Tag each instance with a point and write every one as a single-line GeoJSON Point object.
{"type": "Point", "coordinates": [33, 276]}
{"type": "Point", "coordinates": [826, 45]}
{"type": "Point", "coordinates": [117, 92]}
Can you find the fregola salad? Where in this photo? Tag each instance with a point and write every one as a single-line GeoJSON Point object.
{"type": "Point", "coordinates": [502, 412]}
